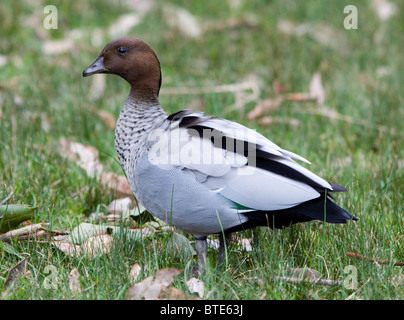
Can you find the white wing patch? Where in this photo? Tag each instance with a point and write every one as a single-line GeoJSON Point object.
{"type": "Point", "coordinates": [263, 190]}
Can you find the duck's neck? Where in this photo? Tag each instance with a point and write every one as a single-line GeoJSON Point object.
{"type": "Point", "coordinates": [137, 118]}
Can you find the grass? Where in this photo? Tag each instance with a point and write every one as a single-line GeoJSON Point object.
{"type": "Point", "coordinates": [361, 76]}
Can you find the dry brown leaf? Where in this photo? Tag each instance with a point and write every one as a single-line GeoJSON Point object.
{"type": "Point", "coordinates": [68, 248]}
{"type": "Point", "coordinates": [135, 271]}
{"type": "Point", "coordinates": [316, 89]}
{"type": "Point", "coordinates": [97, 87]}
{"type": "Point", "coordinates": [118, 183]}
{"type": "Point", "coordinates": [300, 96]}
{"type": "Point", "coordinates": [264, 106]}
{"type": "Point", "coordinates": [14, 273]}
{"type": "Point", "coordinates": [140, 6]}
{"type": "Point", "coordinates": [85, 157]}
{"type": "Point", "coordinates": [320, 32]}
{"type": "Point", "coordinates": [3, 60]}
{"type": "Point", "coordinates": [98, 245]}
{"type": "Point", "coordinates": [108, 118]}
{"type": "Point", "coordinates": [40, 234]}
{"type": "Point", "coordinates": [119, 205]}
{"type": "Point", "coordinates": [55, 47]}
{"type": "Point", "coordinates": [245, 244]}
{"type": "Point", "coordinates": [305, 273]}
{"type": "Point", "coordinates": [113, 217]}
{"type": "Point", "coordinates": [172, 293]}
{"type": "Point", "coordinates": [232, 23]}
{"type": "Point", "coordinates": [182, 20]}
{"type": "Point", "coordinates": [25, 232]}
{"type": "Point", "coordinates": [60, 237]}
{"type": "Point", "coordinates": [152, 287]}
{"type": "Point", "coordinates": [268, 120]}
{"type": "Point", "coordinates": [384, 9]}
{"type": "Point", "coordinates": [124, 24]}
{"type": "Point", "coordinates": [45, 122]}
{"type": "Point", "coordinates": [278, 87]}
{"type": "Point", "coordinates": [74, 282]}
{"type": "Point", "coordinates": [398, 281]}
{"type": "Point", "coordinates": [196, 285]}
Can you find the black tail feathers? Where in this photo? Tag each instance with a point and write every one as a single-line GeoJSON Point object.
{"type": "Point", "coordinates": [322, 209]}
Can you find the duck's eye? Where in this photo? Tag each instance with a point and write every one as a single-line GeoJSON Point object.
{"type": "Point", "coordinates": [121, 50]}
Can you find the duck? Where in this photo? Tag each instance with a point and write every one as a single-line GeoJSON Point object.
{"type": "Point", "coordinates": [202, 174]}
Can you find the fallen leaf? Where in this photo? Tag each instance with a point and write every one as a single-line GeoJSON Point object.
{"type": "Point", "coordinates": [97, 87]}
{"type": "Point", "coordinates": [196, 285]}
{"type": "Point", "coordinates": [68, 248]}
{"type": "Point", "coordinates": [118, 183]}
{"type": "Point", "coordinates": [113, 217]}
{"type": "Point", "coordinates": [151, 287]}
{"type": "Point", "coordinates": [316, 89]}
{"type": "Point", "coordinates": [12, 215]}
{"type": "Point", "coordinates": [246, 21]}
{"type": "Point", "coordinates": [171, 293]}
{"type": "Point", "coordinates": [136, 211]}
{"type": "Point", "coordinates": [398, 281]}
{"type": "Point", "coordinates": [213, 243]}
{"type": "Point", "coordinates": [97, 216]}
{"type": "Point", "coordinates": [14, 274]}
{"type": "Point", "coordinates": [135, 271]}
{"type": "Point", "coordinates": [97, 245]}
{"type": "Point", "coordinates": [123, 25]}
{"type": "Point", "coordinates": [268, 120]}
{"type": "Point", "coordinates": [384, 9]}
{"type": "Point", "coordinates": [183, 20]}
{"type": "Point", "coordinates": [85, 230]}
{"type": "Point", "coordinates": [140, 6]}
{"type": "Point", "coordinates": [85, 157]}
{"type": "Point", "coordinates": [55, 47]}
{"type": "Point", "coordinates": [305, 273]}
{"type": "Point", "coordinates": [140, 215]}
{"type": "Point", "coordinates": [29, 231]}
{"type": "Point", "coordinates": [245, 244]}
{"type": "Point", "coordinates": [179, 246]}
{"type": "Point", "coordinates": [120, 205]}
{"type": "Point", "coordinates": [45, 123]}
{"type": "Point", "coordinates": [264, 106]}
{"type": "Point", "coordinates": [320, 32]}
{"type": "Point", "coordinates": [105, 116]}
{"type": "Point", "coordinates": [74, 282]}
{"type": "Point", "coordinates": [135, 234]}
{"type": "Point", "coordinates": [300, 96]}
{"type": "Point", "coordinates": [93, 246]}
{"type": "Point", "coordinates": [278, 87]}
{"type": "Point", "coordinates": [3, 60]}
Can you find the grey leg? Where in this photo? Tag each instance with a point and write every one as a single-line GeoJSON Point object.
{"type": "Point", "coordinates": [224, 245]}
{"type": "Point", "coordinates": [201, 247]}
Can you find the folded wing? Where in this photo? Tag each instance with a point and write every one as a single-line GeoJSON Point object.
{"type": "Point", "coordinates": [238, 163]}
